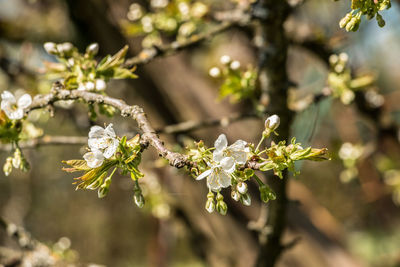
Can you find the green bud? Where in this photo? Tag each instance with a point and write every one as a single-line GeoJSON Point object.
{"type": "Point", "coordinates": [222, 208]}
{"type": "Point", "coordinates": [245, 199]}
{"type": "Point", "coordinates": [7, 168]}
{"type": "Point", "coordinates": [343, 22]}
{"type": "Point", "coordinates": [103, 190]}
{"type": "Point", "coordinates": [17, 159]}
{"type": "Point", "coordinates": [210, 205]}
{"type": "Point", "coordinates": [380, 20]}
{"type": "Point", "coordinates": [92, 49]}
{"type": "Point", "coordinates": [266, 193]}
{"type": "Point", "coordinates": [219, 197]}
{"type": "Point", "coordinates": [139, 199]}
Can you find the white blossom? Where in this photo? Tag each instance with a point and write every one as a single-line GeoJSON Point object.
{"type": "Point", "coordinates": [15, 108]}
{"type": "Point", "coordinates": [100, 85]}
{"type": "Point", "coordinates": [224, 163]}
{"type": "Point", "coordinates": [237, 151]}
{"type": "Point", "coordinates": [94, 158]}
{"type": "Point", "coordinates": [103, 140]}
{"type": "Point", "coordinates": [235, 65]}
{"type": "Point", "coordinates": [50, 48]}
{"type": "Point", "coordinates": [219, 175]}
{"type": "Point", "coordinates": [89, 86]}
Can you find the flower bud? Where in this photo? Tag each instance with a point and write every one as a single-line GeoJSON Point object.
{"type": "Point", "coordinates": [235, 195]}
{"type": "Point", "coordinates": [7, 168]}
{"type": "Point", "coordinates": [65, 47]}
{"type": "Point", "coordinates": [222, 208]}
{"type": "Point", "coordinates": [89, 86]}
{"type": "Point", "coordinates": [225, 59]}
{"type": "Point", "coordinates": [100, 85]}
{"type": "Point", "coordinates": [17, 159]}
{"type": "Point", "coordinates": [139, 199]}
{"type": "Point", "coordinates": [242, 187]}
{"type": "Point", "coordinates": [272, 122]}
{"type": "Point", "coordinates": [343, 22]}
{"type": "Point", "coordinates": [214, 72]}
{"type": "Point", "coordinates": [235, 65]}
{"type": "Point", "coordinates": [210, 205]}
{"type": "Point", "coordinates": [50, 48]}
{"type": "Point", "coordinates": [380, 20]}
{"type": "Point", "coordinates": [246, 199]}
{"type": "Point", "coordinates": [92, 49]}
{"type": "Point", "coordinates": [103, 190]}
{"type": "Point", "coordinates": [266, 194]}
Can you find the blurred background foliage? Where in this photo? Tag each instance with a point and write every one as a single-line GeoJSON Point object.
{"type": "Point", "coordinates": [359, 214]}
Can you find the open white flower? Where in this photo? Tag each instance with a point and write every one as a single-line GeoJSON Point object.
{"type": "Point", "coordinates": [103, 140]}
{"type": "Point", "coordinates": [94, 158]}
{"type": "Point", "coordinates": [238, 150]}
{"type": "Point", "coordinates": [219, 175]}
{"type": "Point", "coordinates": [15, 108]}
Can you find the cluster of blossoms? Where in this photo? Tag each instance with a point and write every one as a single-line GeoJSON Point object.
{"type": "Point", "coordinates": [82, 71]}
{"type": "Point", "coordinates": [238, 84]}
{"type": "Point", "coordinates": [179, 17]}
{"type": "Point", "coordinates": [352, 20]}
{"type": "Point", "coordinates": [350, 154]}
{"type": "Point", "coordinates": [341, 83]}
{"type": "Point", "coordinates": [226, 165]}
{"type": "Point", "coordinates": [107, 152]}
{"type": "Point", "coordinates": [12, 111]}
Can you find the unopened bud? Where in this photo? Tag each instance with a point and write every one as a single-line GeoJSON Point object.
{"type": "Point", "coordinates": [103, 190]}
{"type": "Point", "coordinates": [17, 159]}
{"type": "Point", "coordinates": [50, 48]}
{"type": "Point", "coordinates": [343, 22]}
{"type": "Point", "coordinates": [100, 85]}
{"type": "Point", "coordinates": [235, 65]}
{"type": "Point", "coordinates": [92, 49]}
{"type": "Point", "coordinates": [222, 208]}
{"type": "Point", "coordinates": [246, 199]}
{"type": "Point", "coordinates": [380, 20]}
{"type": "Point", "coordinates": [214, 72]}
{"type": "Point", "coordinates": [225, 59]}
{"type": "Point", "coordinates": [89, 86]}
{"type": "Point", "coordinates": [65, 47]}
{"type": "Point", "coordinates": [242, 187]}
{"type": "Point", "coordinates": [210, 205]}
{"type": "Point", "coordinates": [266, 193]}
{"type": "Point", "coordinates": [272, 122]}
{"type": "Point", "coordinates": [235, 195]}
{"type": "Point", "coordinates": [7, 168]}
{"type": "Point", "coordinates": [139, 199]}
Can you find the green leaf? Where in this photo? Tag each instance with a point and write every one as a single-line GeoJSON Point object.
{"type": "Point", "coordinates": [77, 165]}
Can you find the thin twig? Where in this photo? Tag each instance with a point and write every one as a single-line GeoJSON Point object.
{"type": "Point", "coordinates": [48, 140]}
{"type": "Point", "coordinates": [148, 54]}
{"type": "Point", "coordinates": [188, 126]}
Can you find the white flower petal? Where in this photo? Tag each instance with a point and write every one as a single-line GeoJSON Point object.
{"type": "Point", "coordinates": [110, 150]}
{"type": "Point", "coordinates": [14, 114]}
{"type": "Point", "coordinates": [204, 174]}
{"type": "Point", "coordinates": [97, 143]}
{"type": "Point", "coordinates": [240, 157]}
{"type": "Point", "coordinates": [228, 164]}
{"type": "Point", "coordinates": [94, 158]}
{"type": "Point", "coordinates": [238, 145]}
{"type": "Point", "coordinates": [96, 132]}
{"type": "Point", "coordinates": [224, 179]}
{"type": "Point", "coordinates": [212, 181]}
{"type": "Point", "coordinates": [218, 155]}
{"type": "Point", "coordinates": [221, 142]}
{"type": "Point", "coordinates": [24, 101]}
{"type": "Point", "coordinates": [8, 96]}
{"type": "Point", "coordinates": [109, 130]}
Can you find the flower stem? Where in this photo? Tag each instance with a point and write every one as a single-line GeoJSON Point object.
{"type": "Point", "coordinates": [259, 144]}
